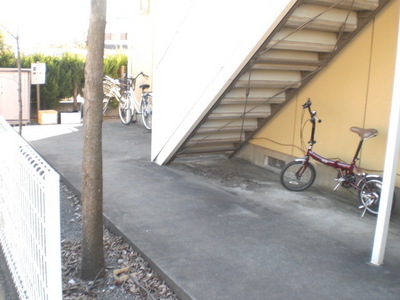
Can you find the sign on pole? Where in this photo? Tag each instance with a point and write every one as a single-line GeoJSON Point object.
{"type": "Point", "coordinates": [38, 73]}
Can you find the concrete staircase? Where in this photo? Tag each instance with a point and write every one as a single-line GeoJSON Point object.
{"type": "Point", "coordinates": [310, 35]}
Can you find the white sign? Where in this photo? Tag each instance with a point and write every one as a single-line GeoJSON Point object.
{"type": "Point", "coordinates": [38, 73]}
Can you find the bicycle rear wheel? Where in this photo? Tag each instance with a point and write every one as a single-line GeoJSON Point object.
{"type": "Point", "coordinates": [146, 107]}
{"type": "Point", "coordinates": [124, 109]}
{"type": "Point", "coordinates": [297, 176]}
{"type": "Point", "coordinates": [369, 194]}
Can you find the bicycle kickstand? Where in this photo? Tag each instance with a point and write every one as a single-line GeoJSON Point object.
{"type": "Point", "coordinates": [339, 183]}
{"type": "Point", "coordinates": [365, 210]}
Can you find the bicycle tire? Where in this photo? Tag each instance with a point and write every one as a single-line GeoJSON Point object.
{"type": "Point", "coordinates": [146, 107]}
{"type": "Point", "coordinates": [369, 194]}
{"type": "Point", "coordinates": [291, 179]}
{"type": "Point", "coordinates": [124, 110]}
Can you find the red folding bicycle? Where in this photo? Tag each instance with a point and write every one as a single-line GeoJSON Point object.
{"type": "Point", "coordinates": [300, 174]}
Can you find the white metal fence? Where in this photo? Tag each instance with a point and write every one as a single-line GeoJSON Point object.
{"type": "Point", "coordinates": [29, 218]}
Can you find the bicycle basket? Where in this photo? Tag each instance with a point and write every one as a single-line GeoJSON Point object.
{"type": "Point", "coordinates": [109, 87]}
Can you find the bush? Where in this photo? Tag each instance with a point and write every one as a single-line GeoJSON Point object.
{"type": "Point", "coordinates": [113, 65]}
{"type": "Point", "coordinates": [65, 75]}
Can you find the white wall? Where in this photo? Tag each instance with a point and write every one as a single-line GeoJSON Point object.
{"type": "Point", "coordinates": [199, 47]}
{"type": "Point", "coordinates": [9, 106]}
{"type": "Point", "coordinates": [140, 41]}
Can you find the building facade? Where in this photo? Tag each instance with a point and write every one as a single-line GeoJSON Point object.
{"type": "Point", "coordinates": [222, 83]}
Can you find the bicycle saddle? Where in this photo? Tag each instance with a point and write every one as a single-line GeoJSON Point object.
{"type": "Point", "coordinates": [364, 133]}
{"type": "Point", "coordinates": [144, 86]}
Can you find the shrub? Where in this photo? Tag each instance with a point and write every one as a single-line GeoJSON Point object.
{"type": "Point", "coordinates": [64, 75]}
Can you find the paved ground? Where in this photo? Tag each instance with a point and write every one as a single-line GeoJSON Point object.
{"type": "Point", "coordinates": [7, 288]}
{"type": "Point", "coordinates": [226, 229]}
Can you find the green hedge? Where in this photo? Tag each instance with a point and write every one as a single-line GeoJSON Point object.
{"type": "Point", "coordinates": [64, 75]}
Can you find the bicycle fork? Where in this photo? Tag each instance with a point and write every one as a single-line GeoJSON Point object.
{"type": "Point", "coordinates": [305, 162]}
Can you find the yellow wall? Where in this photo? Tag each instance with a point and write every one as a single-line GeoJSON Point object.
{"type": "Point", "coordinates": [354, 90]}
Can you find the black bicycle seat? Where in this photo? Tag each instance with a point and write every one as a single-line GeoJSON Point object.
{"type": "Point", "coordinates": [364, 133]}
{"type": "Point", "coordinates": [144, 86]}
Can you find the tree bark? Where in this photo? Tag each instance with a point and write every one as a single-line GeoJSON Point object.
{"type": "Point", "coordinates": [75, 97]}
{"type": "Point", "coordinates": [92, 163]}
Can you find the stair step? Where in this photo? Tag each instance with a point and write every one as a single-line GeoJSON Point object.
{"type": "Point", "coordinates": [289, 57]}
{"type": "Point", "coordinates": [256, 96]}
{"type": "Point", "coordinates": [261, 100]}
{"type": "Point", "coordinates": [269, 79]}
{"type": "Point", "coordinates": [268, 83]}
{"type": "Point", "coordinates": [228, 125]}
{"type": "Point", "coordinates": [195, 151]}
{"type": "Point", "coordinates": [217, 137]}
{"type": "Point", "coordinates": [287, 60]}
{"type": "Point", "coordinates": [348, 4]}
{"type": "Point", "coordinates": [255, 115]}
{"type": "Point", "coordinates": [211, 145]}
{"type": "Point", "coordinates": [334, 20]}
{"type": "Point", "coordinates": [282, 66]}
{"type": "Point", "coordinates": [304, 40]}
{"type": "Point", "coordinates": [238, 111]}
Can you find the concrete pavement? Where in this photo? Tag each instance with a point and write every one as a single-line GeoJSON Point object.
{"type": "Point", "coordinates": [242, 236]}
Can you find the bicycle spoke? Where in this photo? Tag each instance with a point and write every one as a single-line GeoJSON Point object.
{"type": "Point", "coordinates": [146, 108]}
{"type": "Point", "coordinates": [297, 177]}
{"type": "Point", "coordinates": [124, 109]}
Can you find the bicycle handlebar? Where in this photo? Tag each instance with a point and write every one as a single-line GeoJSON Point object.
{"type": "Point", "coordinates": [313, 113]}
{"type": "Point", "coordinates": [134, 78]}
{"type": "Point", "coordinates": [307, 104]}
{"type": "Point", "coordinates": [130, 81]}
{"type": "Point", "coordinates": [141, 73]}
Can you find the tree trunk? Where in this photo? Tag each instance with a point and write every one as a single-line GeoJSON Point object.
{"type": "Point", "coordinates": [75, 97]}
{"type": "Point", "coordinates": [92, 164]}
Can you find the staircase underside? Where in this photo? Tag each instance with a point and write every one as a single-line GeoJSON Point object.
{"type": "Point", "coordinates": [310, 35]}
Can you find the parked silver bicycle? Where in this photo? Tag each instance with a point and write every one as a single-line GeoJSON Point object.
{"type": "Point", "coordinates": [128, 107]}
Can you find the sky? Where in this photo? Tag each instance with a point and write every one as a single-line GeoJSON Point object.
{"type": "Point", "coordinates": [39, 23]}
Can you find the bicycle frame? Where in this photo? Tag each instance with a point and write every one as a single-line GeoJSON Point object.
{"type": "Point", "coordinates": [299, 174]}
{"type": "Point", "coordinates": [344, 168]}
{"type": "Point", "coordinates": [331, 163]}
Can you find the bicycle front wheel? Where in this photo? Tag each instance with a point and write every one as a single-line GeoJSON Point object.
{"type": "Point", "coordinates": [297, 176]}
{"type": "Point", "coordinates": [105, 104]}
{"type": "Point", "coordinates": [146, 107]}
{"type": "Point", "coordinates": [124, 109]}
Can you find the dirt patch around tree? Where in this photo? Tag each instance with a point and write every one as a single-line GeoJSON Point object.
{"type": "Point", "coordinates": [128, 275]}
